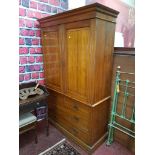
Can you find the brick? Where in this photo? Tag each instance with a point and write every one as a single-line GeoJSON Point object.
{"type": "Point", "coordinates": [29, 23]}
{"type": "Point", "coordinates": [35, 75]}
{"type": "Point", "coordinates": [32, 50]}
{"type": "Point", "coordinates": [21, 22]}
{"type": "Point", "coordinates": [28, 41]}
{"type": "Point", "coordinates": [54, 2]}
{"type": "Point", "coordinates": [45, 1]}
{"type": "Point", "coordinates": [41, 41]}
{"type": "Point", "coordinates": [41, 67]}
{"type": "Point", "coordinates": [41, 75]}
{"type": "Point", "coordinates": [31, 59]}
{"type": "Point", "coordinates": [48, 8]}
{"type": "Point", "coordinates": [27, 77]}
{"type": "Point", "coordinates": [35, 41]}
{"type": "Point", "coordinates": [21, 69]}
{"type": "Point", "coordinates": [30, 68]}
{"type": "Point", "coordinates": [21, 41]}
{"type": "Point", "coordinates": [59, 10]}
{"type": "Point", "coordinates": [23, 60]}
{"type": "Point", "coordinates": [23, 50]}
{"type": "Point", "coordinates": [31, 14]}
{"type": "Point", "coordinates": [31, 32]}
{"type": "Point", "coordinates": [39, 59]}
{"type": "Point", "coordinates": [22, 12]}
{"type": "Point", "coordinates": [41, 82]}
{"type": "Point", "coordinates": [25, 3]}
{"type": "Point", "coordinates": [36, 24]}
{"type": "Point", "coordinates": [38, 50]}
{"type": "Point", "coordinates": [44, 15]}
{"type": "Point", "coordinates": [21, 77]}
{"type": "Point", "coordinates": [35, 50]}
{"type": "Point", "coordinates": [33, 5]}
{"type": "Point", "coordinates": [42, 7]}
{"type": "Point", "coordinates": [37, 67]}
{"type": "Point", "coordinates": [38, 15]}
{"type": "Point", "coordinates": [64, 4]}
{"type": "Point", "coordinates": [54, 10]}
{"type": "Point", "coordinates": [24, 32]}
{"type": "Point", "coordinates": [38, 33]}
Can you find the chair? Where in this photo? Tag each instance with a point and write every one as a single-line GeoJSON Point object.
{"type": "Point", "coordinates": [27, 121]}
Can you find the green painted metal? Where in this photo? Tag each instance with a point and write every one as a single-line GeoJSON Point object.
{"type": "Point", "coordinates": [113, 124]}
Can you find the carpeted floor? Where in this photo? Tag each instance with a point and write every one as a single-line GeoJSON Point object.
{"type": "Point", "coordinates": [28, 146]}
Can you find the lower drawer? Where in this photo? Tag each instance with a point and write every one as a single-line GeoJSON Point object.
{"type": "Point", "coordinates": [71, 118]}
{"type": "Point", "coordinates": [84, 136]}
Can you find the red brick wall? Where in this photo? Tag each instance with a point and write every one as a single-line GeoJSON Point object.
{"type": "Point", "coordinates": [30, 51]}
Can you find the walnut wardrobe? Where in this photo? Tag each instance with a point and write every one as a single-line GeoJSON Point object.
{"type": "Point", "coordinates": [77, 52]}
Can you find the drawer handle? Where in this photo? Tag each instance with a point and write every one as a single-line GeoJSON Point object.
{"type": "Point", "coordinates": [76, 118]}
{"type": "Point", "coordinates": [75, 107]}
{"type": "Point", "coordinates": [75, 132]}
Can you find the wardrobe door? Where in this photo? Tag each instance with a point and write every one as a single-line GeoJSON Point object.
{"type": "Point", "coordinates": [77, 62]}
{"type": "Point", "coordinates": [52, 59]}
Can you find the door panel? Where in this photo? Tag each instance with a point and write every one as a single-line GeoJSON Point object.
{"type": "Point", "coordinates": [77, 62]}
{"type": "Point", "coordinates": [51, 56]}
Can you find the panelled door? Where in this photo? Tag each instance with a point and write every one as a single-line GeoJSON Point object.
{"type": "Point", "coordinates": [52, 58]}
{"type": "Point", "coordinates": [77, 62]}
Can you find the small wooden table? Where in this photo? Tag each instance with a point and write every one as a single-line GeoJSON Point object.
{"type": "Point", "coordinates": [33, 102]}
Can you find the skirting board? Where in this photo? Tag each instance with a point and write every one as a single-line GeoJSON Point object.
{"type": "Point", "coordinates": [80, 143]}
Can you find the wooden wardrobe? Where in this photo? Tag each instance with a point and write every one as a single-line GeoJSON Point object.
{"type": "Point", "coordinates": [78, 51]}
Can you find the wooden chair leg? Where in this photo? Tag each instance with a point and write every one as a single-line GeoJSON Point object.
{"type": "Point", "coordinates": [35, 133]}
{"type": "Point", "coordinates": [36, 138]}
{"type": "Point", "coordinates": [47, 127]}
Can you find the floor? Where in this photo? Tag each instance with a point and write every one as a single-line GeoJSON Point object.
{"type": "Point", "coordinates": [28, 147]}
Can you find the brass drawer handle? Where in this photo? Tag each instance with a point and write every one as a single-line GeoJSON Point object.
{"type": "Point", "coordinates": [75, 106]}
{"type": "Point", "coordinates": [76, 118]}
{"type": "Point", "coordinates": [75, 132]}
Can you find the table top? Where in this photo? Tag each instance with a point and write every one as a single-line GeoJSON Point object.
{"type": "Point", "coordinates": [30, 100]}
{"type": "Point", "coordinates": [33, 99]}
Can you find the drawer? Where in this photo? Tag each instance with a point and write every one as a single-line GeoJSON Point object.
{"type": "Point", "coordinates": [54, 100]}
{"type": "Point", "coordinates": [84, 136]}
{"type": "Point", "coordinates": [76, 107]}
{"type": "Point", "coordinates": [79, 134]}
{"type": "Point", "coordinates": [76, 121]}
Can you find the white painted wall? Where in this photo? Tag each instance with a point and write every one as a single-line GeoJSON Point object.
{"type": "Point", "coordinates": [129, 2]}
{"type": "Point", "coordinates": [72, 4]}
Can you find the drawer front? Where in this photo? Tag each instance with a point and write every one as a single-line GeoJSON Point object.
{"type": "Point", "coordinates": [54, 100]}
{"type": "Point", "coordinates": [78, 108]}
{"type": "Point", "coordinates": [84, 136]}
{"type": "Point", "coordinates": [79, 134]}
{"type": "Point", "coordinates": [72, 112]}
{"type": "Point", "coordinates": [71, 118]}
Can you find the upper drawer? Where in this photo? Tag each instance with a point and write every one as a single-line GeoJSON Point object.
{"type": "Point", "coordinates": [77, 107]}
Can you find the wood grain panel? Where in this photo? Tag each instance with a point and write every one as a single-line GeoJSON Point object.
{"type": "Point", "coordinates": [103, 59]}
{"type": "Point", "coordinates": [52, 65]}
{"type": "Point", "coordinates": [100, 116]}
{"type": "Point", "coordinates": [77, 62]}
